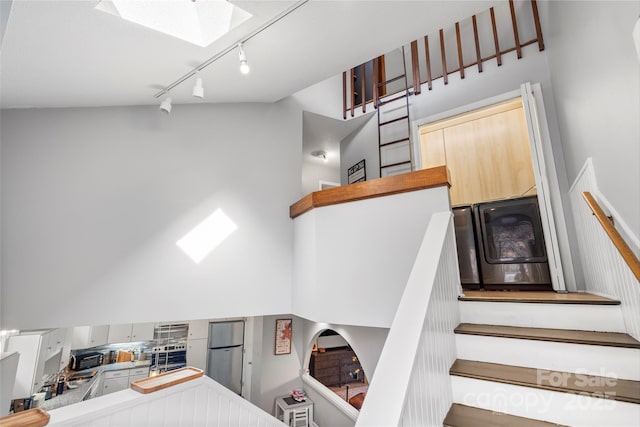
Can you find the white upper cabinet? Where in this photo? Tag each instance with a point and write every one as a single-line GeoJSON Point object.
{"type": "Point", "coordinates": [129, 332]}
{"type": "Point", "coordinates": [198, 329]}
{"type": "Point", "coordinates": [89, 336]}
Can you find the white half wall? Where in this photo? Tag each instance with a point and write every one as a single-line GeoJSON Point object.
{"type": "Point", "coordinates": [352, 260]}
{"type": "Point", "coordinates": [94, 200]}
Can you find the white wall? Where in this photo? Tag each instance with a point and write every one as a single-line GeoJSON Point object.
{"type": "Point", "coordinates": [94, 199]}
{"type": "Point", "coordinates": [594, 72]}
{"type": "Point", "coordinates": [280, 373]}
{"type": "Point", "coordinates": [312, 174]}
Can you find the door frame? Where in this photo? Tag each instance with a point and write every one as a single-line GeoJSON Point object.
{"type": "Point", "coordinates": [547, 186]}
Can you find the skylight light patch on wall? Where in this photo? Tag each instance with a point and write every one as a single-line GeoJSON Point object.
{"type": "Point", "coordinates": [199, 22]}
{"type": "Point", "coordinates": [206, 236]}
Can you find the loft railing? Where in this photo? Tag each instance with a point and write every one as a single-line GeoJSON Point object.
{"type": "Point", "coordinates": [625, 251]}
{"type": "Point", "coordinates": [468, 45]}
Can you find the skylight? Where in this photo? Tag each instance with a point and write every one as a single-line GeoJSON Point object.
{"type": "Point", "coordinates": [200, 22]}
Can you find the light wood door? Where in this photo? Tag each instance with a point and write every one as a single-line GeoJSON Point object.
{"type": "Point", "coordinates": [487, 153]}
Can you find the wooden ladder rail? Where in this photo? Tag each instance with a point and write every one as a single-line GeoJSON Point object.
{"type": "Point", "coordinates": [627, 254]}
{"type": "Point", "coordinates": [379, 103]}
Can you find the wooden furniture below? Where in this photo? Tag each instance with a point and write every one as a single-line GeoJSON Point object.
{"type": "Point", "coordinates": [334, 367]}
{"type": "Point", "coordinates": [357, 400]}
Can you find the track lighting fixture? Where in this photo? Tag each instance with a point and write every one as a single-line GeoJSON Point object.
{"type": "Point", "coordinates": [198, 89]}
{"type": "Point", "coordinates": [165, 105]}
{"type": "Point", "coordinates": [244, 65]}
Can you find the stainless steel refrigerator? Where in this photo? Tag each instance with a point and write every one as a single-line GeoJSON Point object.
{"type": "Point", "coordinates": [224, 356]}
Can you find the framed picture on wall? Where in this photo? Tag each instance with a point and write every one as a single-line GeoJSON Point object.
{"type": "Point", "coordinates": [283, 336]}
{"type": "Point", "coordinates": [357, 173]}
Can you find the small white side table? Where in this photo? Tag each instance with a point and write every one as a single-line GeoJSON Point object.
{"type": "Point", "coordinates": [286, 406]}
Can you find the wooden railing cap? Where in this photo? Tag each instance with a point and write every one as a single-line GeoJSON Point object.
{"type": "Point", "coordinates": [410, 181]}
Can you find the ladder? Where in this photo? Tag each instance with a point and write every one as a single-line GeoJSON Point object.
{"type": "Point", "coordinates": [394, 126]}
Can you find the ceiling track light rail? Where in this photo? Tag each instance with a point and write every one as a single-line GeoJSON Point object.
{"type": "Point", "coordinates": [228, 49]}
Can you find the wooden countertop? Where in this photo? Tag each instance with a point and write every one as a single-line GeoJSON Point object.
{"type": "Point", "coordinates": [411, 181]}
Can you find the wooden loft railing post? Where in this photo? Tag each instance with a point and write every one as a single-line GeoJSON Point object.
{"type": "Point", "coordinates": [515, 29]}
{"type": "Point", "coordinates": [353, 93]}
{"type": "Point", "coordinates": [477, 40]}
{"type": "Point", "coordinates": [363, 86]}
{"type": "Point", "coordinates": [460, 60]}
{"type": "Point", "coordinates": [344, 95]}
{"type": "Point", "coordinates": [415, 66]}
{"type": "Point", "coordinates": [426, 52]}
{"type": "Point", "coordinates": [495, 36]}
{"type": "Point", "coordinates": [445, 75]}
{"type": "Point", "coordinates": [376, 70]}
{"type": "Point", "coordinates": [536, 20]}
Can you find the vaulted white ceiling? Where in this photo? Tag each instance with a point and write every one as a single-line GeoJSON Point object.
{"type": "Point", "coordinates": [59, 53]}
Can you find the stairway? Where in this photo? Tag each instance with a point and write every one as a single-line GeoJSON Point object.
{"type": "Point", "coordinates": [530, 359]}
{"type": "Point", "coordinates": [395, 150]}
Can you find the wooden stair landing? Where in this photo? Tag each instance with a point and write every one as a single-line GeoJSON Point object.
{"type": "Point", "coordinates": [609, 339]}
{"type": "Point", "coordinates": [468, 416]}
{"type": "Point", "coordinates": [548, 297]}
{"type": "Point", "coordinates": [588, 385]}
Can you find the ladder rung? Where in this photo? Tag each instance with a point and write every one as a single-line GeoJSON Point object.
{"type": "Point", "coordinates": [387, 101]}
{"type": "Point", "coordinates": [395, 164]}
{"type": "Point", "coordinates": [393, 120]}
{"type": "Point", "coordinates": [401, 76]}
{"type": "Point", "coordinates": [394, 142]}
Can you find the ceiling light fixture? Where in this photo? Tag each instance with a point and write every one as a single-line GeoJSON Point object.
{"type": "Point", "coordinates": [229, 48]}
{"type": "Point", "coordinates": [320, 154]}
{"type": "Point", "coordinates": [244, 65]}
{"type": "Point", "coordinates": [165, 106]}
{"type": "Point", "coordinates": [198, 89]}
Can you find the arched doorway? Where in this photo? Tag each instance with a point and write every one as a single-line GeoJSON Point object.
{"type": "Point", "coordinates": [336, 365]}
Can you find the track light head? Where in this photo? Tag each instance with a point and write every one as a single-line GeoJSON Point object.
{"type": "Point", "coordinates": [244, 65]}
{"type": "Point", "coordinates": [165, 105]}
{"type": "Point", "coordinates": [198, 88]}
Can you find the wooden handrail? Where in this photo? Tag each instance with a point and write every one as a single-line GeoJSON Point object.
{"type": "Point", "coordinates": [410, 181]}
{"type": "Point", "coordinates": [35, 417]}
{"type": "Point", "coordinates": [167, 379]}
{"type": "Point", "coordinates": [624, 249]}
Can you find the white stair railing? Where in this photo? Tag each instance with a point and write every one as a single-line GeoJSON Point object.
{"type": "Point", "coordinates": [411, 384]}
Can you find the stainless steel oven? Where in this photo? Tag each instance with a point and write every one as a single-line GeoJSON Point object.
{"type": "Point", "coordinates": [168, 358]}
{"type": "Point", "coordinates": [510, 242]}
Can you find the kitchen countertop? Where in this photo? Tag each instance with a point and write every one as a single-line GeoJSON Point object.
{"type": "Point", "coordinates": [75, 395]}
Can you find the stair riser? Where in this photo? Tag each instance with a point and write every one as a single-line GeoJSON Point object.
{"type": "Point", "coordinates": [578, 358]}
{"type": "Point", "coordinates": [602, 318]}
{"type": "Point", "coordinates": [562, 408]}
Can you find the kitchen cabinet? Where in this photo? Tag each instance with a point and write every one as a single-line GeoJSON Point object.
{"type": "Point", "coordinates": [197, 353]}
{"type": "Point", "coordinates": [40, 355]}
{"type": "Point", "coordinates": [130, 332]}
{"type": "Point", "coordinates": [487, 153]}
{"type": "Point", "coordinates": [121, 379]}
{"type": "Point", "coordinates": [115, 381]}
{"type": "Point", "coordinates": [198, 329]}
{"type": "Point", "coordinates": [89, 336]}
